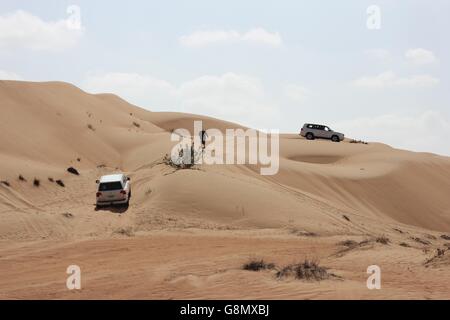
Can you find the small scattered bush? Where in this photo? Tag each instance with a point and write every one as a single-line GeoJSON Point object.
{"type": "Point", "coordinates": [382, 240]}
{"type": "Point", "coordinates": [445, 237]}
{"type": "Point", "coordinates": [36, 182]}
{"type": "Point", "coordinates": [91, 127]}
{"type": "Point", "coordinates": [257, 265]}
{"type": "Point", "coordinates": [6, 183]}
{"type": "Point", "coordinates": [358, 141]}
{"type": "Point", "coordinates": [21, 178]}
{"type": "Point", "coordinates": [187, 158]}
{"type": "Point", "coordinates": [348, 243]}
{"type": "Point", "coordinates": [51, 179]}
{"type": "Point", "coordinates": [404, 244]}
{"type": "Point", "coordinates": [127, 231]}
{"type": "Point", "coordinates": [74, 171]}
{"type": "Point", "coordinates": [307, 270]}
{"type": "Point", "coordinates": [67, 215]}
{"type": "Point", "coordinates": [137, 125]}
{"type": "Point", "coordinates": [78, 159]}
{"type": "Point", "coordinates": [422, 241]}
{"type": "Point", "coordinates": [60, 183]}
{"type": "Point", "coordinates": [345, 217]}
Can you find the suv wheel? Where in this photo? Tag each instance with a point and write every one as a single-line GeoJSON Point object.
{"type": "Point", "coordinates": [309, 136]}
{"type": "Point", "coordinates": [335, 138]}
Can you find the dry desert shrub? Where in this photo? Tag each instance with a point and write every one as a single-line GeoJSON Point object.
{"type": "Point", "coordinates": [125, 231]}
{"type": "Point", "coordinates": [137, 125]}
{"type": "Point", "coordinates": [36, 182]}
{"type": "Point", "coordinates": [306, 270]}
{"type": "Point", "coordinates": [74, 171]}
{"type": "Point", "coordinates": [21, 178]}
{"type": "Point", "coordinates": [60, 183]}
{"type": "Point", "coordinates": [6, 183]}
{"type": "Point", "coordinates": [257, 265]}
{"type": "Point", "coordinates": [91, 127]}
{"type": "Point", "coordinates": [51, 179]}
{"type": "Point", "coordinates": [358, 141]}
{"type": "Point", "coordinates": [383, 240]}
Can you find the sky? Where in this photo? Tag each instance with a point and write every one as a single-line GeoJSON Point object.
{"type": "Point", "coordinates": [376, 71]}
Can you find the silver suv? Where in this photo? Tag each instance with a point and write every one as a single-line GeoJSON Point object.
{"type": "Point", "coordinates": [311, 131]}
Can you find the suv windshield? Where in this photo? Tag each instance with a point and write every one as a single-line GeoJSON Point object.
{"type": "Point", "coordinates": [108, 186]}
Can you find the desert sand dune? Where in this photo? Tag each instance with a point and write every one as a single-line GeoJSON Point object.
{"type": "Point", "coordinates": [187, 232]}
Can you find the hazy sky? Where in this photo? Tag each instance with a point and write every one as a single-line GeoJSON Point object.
{"type": "Point", "coordinates": [375, 73]}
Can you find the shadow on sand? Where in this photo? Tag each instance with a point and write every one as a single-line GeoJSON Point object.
{"type": "Point", "coordinates": [118, 208]}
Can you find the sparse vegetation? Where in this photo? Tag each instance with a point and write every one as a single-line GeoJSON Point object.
{"type": "Point", "coordinates": [345, 217]}
{"type": "Point", "coordinates": [257, 265]}
{"type": "Point", "coordinates": [79, 159]}
{"type": "Point", "coordinates": [303, 233]}
{"type": "Point", "coordinates": [137, 125]}
{"type": "Point", "coordinates": [36, 182]}
{"type": "Point", "coordinates": [382, 240]}
{"type": "Point", "coordinates": [51, 179]}
{"type": "Point", "coordinates": [422, 241]}
{"type": "Point", "coordinates": [307, 270]}
{"type": "Point", "coordinates": [21, 178]}
{"type": "Point", "coordinates": [348, 243]}
{"type": "Point", "coordinates": [101, 166]}
{"type": "Point", "coordinates": [398, 230]}
{"type": "Point", "coordinates": [445, 237]}
{"type": "Point", "coordinates": [125, 231]}
{"type": "Point", "coordinates": [67, 215]}
{"type": "Point", "coordinates": [6, 183]}
{"type": "Point", "coordinates": [74, 171]}
{"type": "Point", "coordinates": [439, 254]}
{"type": "Point", "coordinates": [187, 158]}
{"type": "Point", "coordinates": [358, 141]}
{"type": "Point", "coordinates": [404, 244]}
{"type": "Point", "coordinates": [60, 183]}
{"type": "Point", "coordinates": [91, 127]}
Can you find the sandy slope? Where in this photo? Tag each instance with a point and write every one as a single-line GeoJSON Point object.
{"type": "Point", "coordinates": [187, 232]}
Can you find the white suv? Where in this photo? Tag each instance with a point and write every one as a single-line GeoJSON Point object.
{"type": "Point", "coordinates": [311, 131]}
{"type": "Point", "coordinates": [113, 189]}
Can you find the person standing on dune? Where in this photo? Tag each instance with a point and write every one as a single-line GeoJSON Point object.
{"type": "Point", "coordinates": [203, 136]}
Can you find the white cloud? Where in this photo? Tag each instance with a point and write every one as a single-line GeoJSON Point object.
{"type": "Point", "coordinates": [21, 29]}
{"type": "Point", "coordinates": [389, 79]}
{"type": "Point", "coordinates": [7, 75]}
{"type": "Point", "coordinates": [420, 56]}
{"type": "Point", "coordinates": [230, 96]}
{"type": "Point", "coordinates": [139, 89]}
{"type": "Point", "coordinates": [378, 54]}
{"type": "Point", "coordinates": [422, 132]}
{"type": "Point", "coordinates": [296, 93]}
{"type": "Point", "coordinates": [256, 36]}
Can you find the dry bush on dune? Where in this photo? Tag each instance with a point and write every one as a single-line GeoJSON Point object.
{"type": "Point", "coordinates": [445, 237]}
{"type": "Point", "coordinates": [6, 183]}
{"type": "Point", "coordinates": [348, 243]}
{"type": "Point", "coordinates": [36, 182]}
{"type": "Point", "coordinates": [404, 244]}
{"type": "Point", "coordinates": [60, 183]}
{"type": "Point", "coordinates": [125, 231]}
{"type": "Point", "coordinates": [187, 158]}
{"type": "Point", "coordinates": [91, 127]}
{"type": "Point", "coordinates": [422, 241]}
{"type": "Point", "coordinates": [74, 171]}
{"type": "Point", "coordinates": [307, 270]}
{"type": "Point", "coordinates": [51, 179]}
{"type": "Point", "coordinates": [358, 141]}
{"type": "Point", "coordinates": [383, 240]}
{"type": "Point", "coordinates": [21, 178]}
{"type": "Point", "coordinates": [137, 125]}
{"type": "Point", "coordinates": [257, 265]}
